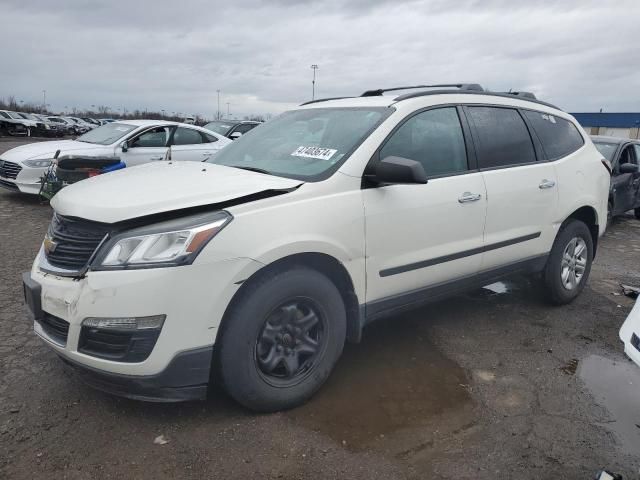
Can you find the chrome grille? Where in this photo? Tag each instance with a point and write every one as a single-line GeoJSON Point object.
{"type": "Point", "coordinates": [9, 169]}
{"type": "Point", "coordinates": [70, 243]}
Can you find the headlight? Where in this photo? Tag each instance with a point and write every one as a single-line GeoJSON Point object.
{"type": "Point", "coordinates": [37, 163]}
{"type": "Point", "coordinates": [171, 243]}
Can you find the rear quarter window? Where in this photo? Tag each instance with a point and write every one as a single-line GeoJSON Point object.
{"type": "Point", "coordinates": [559, 137]}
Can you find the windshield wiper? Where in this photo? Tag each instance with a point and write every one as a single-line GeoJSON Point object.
{"type": "Point", "coordinates": [253, 169]}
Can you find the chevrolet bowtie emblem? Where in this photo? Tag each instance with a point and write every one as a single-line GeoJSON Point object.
{"type": "Point", "coordinates": [49, 245]}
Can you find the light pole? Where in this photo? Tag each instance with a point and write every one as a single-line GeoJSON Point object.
{"type": "Point", "coordinates": [218, 115]}
{"type": "Point", "coordinates": [44, 98]}
{"type": "Point", "coordinates": [314, 67]}
{"type": "Point", "coordinates": [228, 103]}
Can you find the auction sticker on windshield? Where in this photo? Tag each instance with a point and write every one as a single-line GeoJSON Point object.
{"type": "Point", "coordinates": [314, 152]}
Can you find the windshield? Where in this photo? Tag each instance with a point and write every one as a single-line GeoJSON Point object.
{"type": "Point", "coordinates": [107, 134]}
{"type": "Point", "coordinates": [304, 144]}
{"type": "Point", "coordinates": [607, 149]}
{"type": "Point", "coordinates": [5, 115]}
{"type": "Point", "coordinates": [15, 115]}
{"type": "Point", "coordinates": [219, 127]}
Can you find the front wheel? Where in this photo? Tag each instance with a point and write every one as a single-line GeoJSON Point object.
{"type": "Point", "coordinates": [569, 263]}
{"type": "Point", "coordinates": [281, 339]}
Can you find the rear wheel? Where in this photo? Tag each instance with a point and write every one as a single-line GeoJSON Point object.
{"type": "Point", "coordinates": [281, 339]}
{"type": "Point", "coordinates": [609, 213]}
{"type": "Point", "coordinates": [637, 213]}
{"type": "Point", "coordinates": [569, 263]}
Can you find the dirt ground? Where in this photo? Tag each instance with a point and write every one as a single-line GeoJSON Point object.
{"type": "Point", "coordinates": [492, 384]}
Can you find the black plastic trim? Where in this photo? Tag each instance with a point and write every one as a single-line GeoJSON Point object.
{"type": "Point", "coordinates": [472, 92]}
{"type": "Point", "coordinates": [390, 305]}
{"type": "Point", "coordinates": [456, 256]}
{"type": "Point", "coordinates": [185, 378]}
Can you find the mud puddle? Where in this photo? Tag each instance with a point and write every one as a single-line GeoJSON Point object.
{"type": "Point", "coordinates": [616, 386]}
{"type": "Point", "coordinates": [392, 383]}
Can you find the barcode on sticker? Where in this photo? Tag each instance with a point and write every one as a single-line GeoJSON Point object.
{"type": "Point", "coordinates": [314, 152]}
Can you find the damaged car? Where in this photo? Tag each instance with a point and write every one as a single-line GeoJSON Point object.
{"type": "Point", "coordinates": [14, 126]}
{"type": "Point", "coordinates": [253, 269]}
{"type": "Point", "coordinates": [134, 142]}
{"type": "Point", "coordinates": [624, 156]}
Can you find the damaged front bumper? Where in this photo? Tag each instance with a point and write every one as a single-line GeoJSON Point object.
{"type": "Point", "coordinates": [630, 334]}
{"type": "Point", "coordinates": [175, 367]}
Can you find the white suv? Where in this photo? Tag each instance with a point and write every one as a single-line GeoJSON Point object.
{"type": "Point", "coordinates": [254, 269]}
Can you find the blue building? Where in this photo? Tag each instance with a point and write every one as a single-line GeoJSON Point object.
{"type": "Point", "coordinates": [625, 125]}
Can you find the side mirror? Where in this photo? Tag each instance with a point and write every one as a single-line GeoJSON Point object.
{"type": "Point", "coordinates": [629, 168]}
{"type": "Point", "coordinates": [394, 170]}
{"type": "Point", "coordinates": [235, 135]}
{"type": "Point", "coordinates": [125, 146]}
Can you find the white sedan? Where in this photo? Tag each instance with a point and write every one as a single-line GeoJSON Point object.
{"type": "Point", "coordinates": [134, 141]}
{"type": "Point", "coordinates": [630, 334]}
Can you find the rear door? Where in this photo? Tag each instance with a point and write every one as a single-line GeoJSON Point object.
{"type": "Point", "coordinates": [522, 195]}
{"type": "Point", "coordinates": [190, 144]}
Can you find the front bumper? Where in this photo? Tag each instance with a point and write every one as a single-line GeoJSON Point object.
{"type": "Point", "coordinates": [630, 334]}
{"type": "Point", "coordinates": [185, 378]}
{"type": "Point", "coordinates": [193, 298]}
{"type": "Point", "coordinates": [27, 181]}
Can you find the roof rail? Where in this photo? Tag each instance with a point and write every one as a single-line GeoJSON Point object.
{"type": "Point", "coordinates": [462, 86]}
{"type": "Point", "coordinates": [322, 100]}
{"type": "Point", "coordinates": [521, 94]}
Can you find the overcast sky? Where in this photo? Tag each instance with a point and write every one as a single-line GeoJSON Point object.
{"type": "Point", "coordinates": [174, 55]}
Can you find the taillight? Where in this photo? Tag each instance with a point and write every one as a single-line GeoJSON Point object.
{"type": "Point", "coordinates": [607, 165]}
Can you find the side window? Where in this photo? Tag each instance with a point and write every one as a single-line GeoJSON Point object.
{"type": "Point", "coordinates": [626, 156]}
{"type": "Point", "coordinates": [503, 137]}
{"type": "Point", "coordinates": [186, 136]}
{"type": "Point", "coordinates": [210, 138]}
{"type": "Point", "coordinates": [636, 147]}
{"type": "Point", "coordinates": [244, 128]}
{"type": "Point", "coordinates": [559, 137]}
{"type": "Point", "coordinates": [434, 138]}
{"type": "Point", "coordinates": [156, 137]}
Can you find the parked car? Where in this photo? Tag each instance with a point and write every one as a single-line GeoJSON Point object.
{"type": "Point", "coordinates": [630, 334]}
{"type": "Point", "coordinates": [105, 120]}
{"type": "Point", "coordinates": [12, 126]}
{"type": "Point", "coordinates": [80, 127]}
{"type": "Point", "coordinates": [68, 126]}
{"type": "Point", "coordinates": [254, 268]}
{"type": "Point", "coordinates": [231, 128]}
{"type": "Point", "coordinates": [43, 128]}
{"type": "Point", "coordinates": [133, 141]}
{"type": "Point", "coordinates": [190, 120]}
{"type": "Point", "coordinates": [92, 121]}
{"type": "Point", "coordinates": [624, 156]}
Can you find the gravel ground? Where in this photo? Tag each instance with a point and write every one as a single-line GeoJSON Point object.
{"type": "Point", "coordinates": [482, 386]}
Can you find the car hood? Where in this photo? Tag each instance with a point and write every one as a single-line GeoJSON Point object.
{"type": "Point", "coordinates": [47, 149]}
{"type": "Point", "coordinates": [161, 187]}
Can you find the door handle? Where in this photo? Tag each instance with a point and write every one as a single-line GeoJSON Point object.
{"type": "Point", "coordinates": [156, 158]}
{"type": "Point", "coordinates": [468, 197]}
{"type": "Point", "coordinates": [205, 154]}
{"type": "Point", "coordinates": [546, 184]}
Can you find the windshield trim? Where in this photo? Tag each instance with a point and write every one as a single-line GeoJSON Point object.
{"type": "Point", "coordinates": [385, 113]}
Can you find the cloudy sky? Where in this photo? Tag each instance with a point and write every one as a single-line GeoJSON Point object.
{"type": "Point", "coordinates": [174, 55]}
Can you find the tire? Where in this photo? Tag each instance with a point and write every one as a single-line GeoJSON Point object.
{"type": "Point", "coordinates": [609, 214]}
{"type": "Point", "coordinates": [264, 372]}
{"type": "Point", "coordinates": [637, 213]}
{"type": "Point", "coordinates": [558, 282]}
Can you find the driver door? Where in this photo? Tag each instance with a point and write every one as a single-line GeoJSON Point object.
{"type": "Point", "coordinates": [625, 185]}
{"type": "Point", "coordinates": [148, 146]}
{"type": "Point", "coordinates": [425, 235]}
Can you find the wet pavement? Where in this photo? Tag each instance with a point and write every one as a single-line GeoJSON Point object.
{"type": "Point", "coordinates": [615, 384]}
{"type": "Point", "coordinates": [492, 384]}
